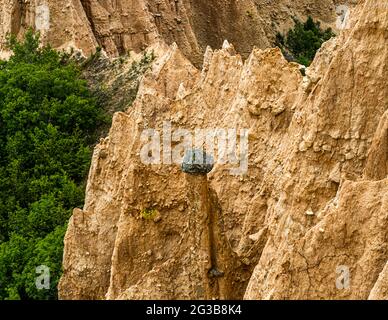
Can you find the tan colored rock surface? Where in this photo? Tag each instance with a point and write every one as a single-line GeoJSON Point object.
{"type": "Point", "coordinates": [380, 289]}
{"type": "Point", "coordinates": [337, 124]}
{"type": "Point", "coordinates": [123, 25]}
{"type": "Point", "coordinates": [63, 24]}
{"type": "Point", "coordinates": [308, 220]}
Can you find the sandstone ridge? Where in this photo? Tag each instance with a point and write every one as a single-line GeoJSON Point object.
{"type": "Point", "coordinates": [309, 218]}
{"type": "Point", "coordinates": [132, 25]}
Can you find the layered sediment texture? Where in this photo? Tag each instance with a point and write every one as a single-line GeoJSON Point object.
{"type": "Point", "coordinates": [309, 218]}
{"type": "Point", "coordinates": [120, 26]}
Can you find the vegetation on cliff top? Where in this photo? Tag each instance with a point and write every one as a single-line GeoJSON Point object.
{"type": "Point", "coordinates": [304, 40]}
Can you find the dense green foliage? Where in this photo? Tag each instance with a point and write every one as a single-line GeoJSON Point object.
{"type": "Point", "coordinates": [304, 40]}
{"type": "Point", "coordinates": [47, 124]}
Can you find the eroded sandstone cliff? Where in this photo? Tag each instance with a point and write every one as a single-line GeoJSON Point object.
{"type": "Point", "coordinates": [309, 218]}
{"type": "Point", "coordinates": [120, 26]}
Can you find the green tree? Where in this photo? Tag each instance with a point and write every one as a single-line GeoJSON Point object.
{"type": "Point", "coordinates": [304, 40]}
{"type": "Point", "coordinates": [47, 125]}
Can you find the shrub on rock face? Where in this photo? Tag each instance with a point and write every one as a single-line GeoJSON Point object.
{"type": "Point", "coordinates": [303, 41]}
{"type": "Point", "coordinates": [47, 123]}
{"type": "Point", "coordinates": [149, 213]}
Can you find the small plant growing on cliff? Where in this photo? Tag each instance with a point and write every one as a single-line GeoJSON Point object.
{"type": "Point", "coordinates": [147, 59]}
{"type": "Point", "coordinates": [115, 85]}
{"type": "Point", "coordinates": [303, 41]}
{"type": "Point", "coordinates": [93, 57]}
{"type": "Point", "coordinates": [149, 213]}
